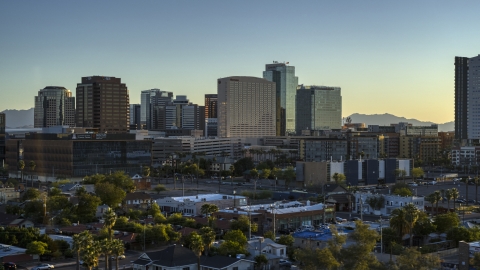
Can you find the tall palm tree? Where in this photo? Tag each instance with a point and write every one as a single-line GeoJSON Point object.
{"type": "Point", "coordinates": [412, 215]}
{"type": "Point", "coordinates": [80, 243]}
{"type": "Point", "coordinates": [106, 249]}
{"type": "Point", "coordinates": [118, 249]}
{"type": "Point", "coordinates": [398, 221]}
{"type": "Point", "coordinates": [208, 236]}
{"type": "Point", "coordinates": [431, 199]}
{"type": "Point", "coordinates": [455, 194]}
{"type": "Point", "coordinates": [438, 197]}
{"type": "Point", "coordinates": [449, 197]}
{"type": "Point", "coordinates": [91, 253]}
{"type": "Point", "coordinates": [197, 246]}
{"type": "Point", "coordinates": [21, 166]}
{"type": "Point", "coordinates": [110, 218]}
{"type": "Point", "coordinates": [466, 180]}
{"type": "Point", "coordinates": [32, 166]}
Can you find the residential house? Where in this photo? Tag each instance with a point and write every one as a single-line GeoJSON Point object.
{"type": "Point", "coordinates": [141, 183]}
{"type": "Point", "coordinates": [267, 245]}
{"type": "Point", "coordinates": [101, 209]}
{"type": "Point", "coordinates": [138, 200]}
{"type": "Point", "coordinates": [9, 194]}
{"type": "Point", "coordinates": [177, 257]}
{"type": "Point", "coordinates": [15, 221]}
{"type": "Point", "coordinates": [69, 188]}
{"type": "Point", "coordinates": [391, 203]}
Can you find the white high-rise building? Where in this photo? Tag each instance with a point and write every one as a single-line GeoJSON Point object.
{"type": "Point", "coordinates": [473, 97]}
{"type": "Point", "coordinates": [150, 99]}
{"type": "Point", "coordinates": [246, 107]}
{"type": "Point", "coordinates": [54, 106]}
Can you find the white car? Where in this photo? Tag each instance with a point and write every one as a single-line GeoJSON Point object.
{"type": "Point", "coordinates": [43, 266]}
{"type": "Point", "coordinates": [413, 184]}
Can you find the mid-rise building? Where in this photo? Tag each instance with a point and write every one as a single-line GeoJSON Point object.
{"type": "Point", "coordinates": [318, 107]}
{"type": "Point", "coordinates": [2, 137]}
{"type": "Point", "coordinates": [54, 106]}
{"type": "Point", "coordinates": [461, 95]}
{"type": "Point", "coordinates": [246, 107]}
{"type": "Point", "coordinates": [152, 100]}
{"type": "Point", "coordinates": [135, 122]}
{"type": "Point", "coordinates": [76, 155]}
{"type": "Point", "coordinates": [286, 88]}
{"type": "Point", "coordinates": [103, 103]}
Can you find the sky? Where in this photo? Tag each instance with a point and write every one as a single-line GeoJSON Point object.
{"type": "Point", "coordinates": [387, 56]}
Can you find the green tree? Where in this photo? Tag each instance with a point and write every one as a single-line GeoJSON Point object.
{"type": "Point", "coordinates": [160, 188]}
{"type": "Point", "coordinates": [412, 215]}
{"type": "Point", "coordinates": [243, 224]}
{"type": "Point", "coordinates": [242, 165]}
{"type": "Point", "coordinates": [358, 255]}
{"type": "Point", "coordinates": [231, 248]}
{"type": "Point", "coordinates": [122, 180]}
{"type": "Point", "coordinates": [208, 209]}
{"type": "Point", "coordinates": [37, 247]}
{"type": "Point", "coordinates": [208, 237]}
{"type": "Point", "coordinates": [400, 173]}
{"type": "Point", "coordinates": [475, 261]}
{"type": "Point", "coordinates": [404, 192]}
{"type": "Point", "coordinates": [260, 261]}
{"type": "Point", "coordinates": [313, 259]}
{"type": "Point", "coordinates": [197, 246]}
{"type": "Point", "coordinates": [445, 222]}
{"type": "Point", "coordinates": [145, 171]}
{"type": "Point", "coordinates": [31, 166]}
{"type": "Point", "coordinates": [398, 222]}
{"type": "Point", "coordinates": [417, 172]}
{"type": "Point", "coordinates": [90, 255]}
{"type": "Point", "coordinates": [94, 179]}
{"type": "Point", "coordinates": [424, 225]}
{"type": "Point", "coordinates": [339, 178]}
{"type": "Point", "coordinates": [412, 259]}
{"type": "Point", "coordinates": [109, 217]}
{"type": "Point", "coordinates": [236, 236]}
{"type": "Point", "coordinates": [87, 207]}
{"type": "Point", "coordinates": [269, 235]}
{"type": "Point", "coordinates": [81, 242]}
{"type": "Point", "coordinates": [106, 248]}
{"type": "Point", "coordinates": [21, 166]}
{"type": "Point", "coordinates": [455, 195]}
{"type": "Point", "coordinates": [449, 197]}
{"type": "Point", "coordinates": [286, 240]}
{"type": "Point", "coordinates": [31, 194]}
{"type": "Point", "coordinates": [117, 249]}
{"type": "Point", "coordinates": [110, 194]}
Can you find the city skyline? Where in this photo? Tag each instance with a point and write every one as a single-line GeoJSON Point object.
{"type": "Point", "coordinates": [393, 58]}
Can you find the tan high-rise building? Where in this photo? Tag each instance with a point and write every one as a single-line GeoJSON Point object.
{"type": "Point", "coordinates": [103, 104]}
{"type": "Point", "coordinates": [246, 107]}
{"type": "Point", "coordinates": [54, 106]}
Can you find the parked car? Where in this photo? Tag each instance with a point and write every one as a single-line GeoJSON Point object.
{"type": "Point", "coordinates": [9, 266]}
{"type": "Point", "coordinates": [413, 184]}
{"type": "Point", "coordinates": [284, 262]}
{"type": "Point", "coordinates": [43, 266]}
{"type": "Point", "coordinates": [120, 257]}
{"type": "Point", "coordinates": [459, 201]}
{"type": "Point", "coordinates": [355, 219]}
{"type": "Point", "coordinates": [339, 219]}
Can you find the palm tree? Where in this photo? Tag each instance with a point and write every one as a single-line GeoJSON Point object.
{"type": "Point", "coordinates": [449, 197]}
{"type": "Point", "coordinates": [32, 166]}
{"type": "Point", "coordinates": [412, 215]}
{"type": "Point", "coordinates": [208, 210]}
{"type": "Point", "coordinates": [398, 221]}
{"type": "Point", "coordinates": [106, 249]}
{"type": "Point", "coordinates": [118, 249]}
{"type": "Point", "coordinates": [466, 180]}
{"type": "Point", "coordinates": [91, 253]}
{"type": "Point", "coordinates": [455, 194]}
{"type": "Point", "coordinates": [431, 199]}
{"type": "Point", "coordinates": [80, 242]}
{"type": "Point", "coordinates": [208, 236]}
{"type": "Point", "coordinates": [197, 246]}
{"type": "Point", "coordinates": [438, 197]}
{"type": "Point", "coordinates": [146, 171]}
{"type": "Point", "coordinates": [110, 218]}
{"type": "Point", "coordinates": [21, 166]}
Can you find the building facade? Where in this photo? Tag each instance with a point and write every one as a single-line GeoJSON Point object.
{"type": "Point", "coordinates": [103, 103]}
{"type": "Point", "coordinates": [285, 88]}
{"type": "Point", "coordinates": [54, 106]}
{"type": "Point", "coordinates": [473, 96]}
{"type": "Point", "coordinates": [152, 101]}
{"type": "Point", "coordinates": [135, 122]}
{"type": "Point", "coordinates": [246, 107]}
{"type": "Point", "coordinates": [318, 108]}
{"type": "Point", "coordinates": [78, 155]}
{"type": "Point", "coordinates": [392, 202]}
{"type": "Point", "coordinates": [461, 95]}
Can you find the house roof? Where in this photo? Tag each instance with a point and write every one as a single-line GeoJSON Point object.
{"type": "Point", "coordinates": [219, 262]}
{"type": "Point", "coordinates": [174, 255]}
{"type": "Point", "coordinates": [138, 196]}
{"type": "Point", "coordinates": [252, 244]}
{"type": "Point", "coordinates": [186, 231]}
{"type": "Point", "coordinates": [330, 188]}
{"type": "Point", "coordinates": [207, 197]}
{"type": "Point", "coordinates": [341, 198]}
{"type": "Point", "coordinates": [7, 219]}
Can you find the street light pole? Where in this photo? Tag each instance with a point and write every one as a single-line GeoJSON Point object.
{"type": "Point", "coordinates": [234, 198]}
{"type": "Point", "coordinates": [272, 206]}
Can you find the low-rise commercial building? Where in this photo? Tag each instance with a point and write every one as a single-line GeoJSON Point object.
{"type": "Point", "coordinates": [191, 205]}
{"type": "Point", "coordinates": [385, 203]}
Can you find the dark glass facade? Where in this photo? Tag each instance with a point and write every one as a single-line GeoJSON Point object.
{"type": "Point", "coordinates": [461, 92]}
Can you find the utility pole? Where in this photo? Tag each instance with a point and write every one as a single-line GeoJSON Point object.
{"type": "Point", "coordinates": [381, 235]}
{"type": "Point", "coordinates": [361, 207]}
{"type": "Point", "coordinates": [324, 205]}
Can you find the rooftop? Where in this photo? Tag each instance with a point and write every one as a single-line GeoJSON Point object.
{"type": "Point", "coordinates": [206, 197]}
{"type": "Point", "coordinates": [284, 208]}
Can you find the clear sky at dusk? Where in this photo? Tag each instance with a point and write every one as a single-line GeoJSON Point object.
{"type": "Point", "coordinates": [387, 56]}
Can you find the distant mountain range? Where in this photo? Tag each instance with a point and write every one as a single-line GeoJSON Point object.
{"type": "Point", "coordinates": [24, 119]}
{"type": "Point", "coordinates": [387, 119]}
{"type": "Point", "coordinates": [19, 118]}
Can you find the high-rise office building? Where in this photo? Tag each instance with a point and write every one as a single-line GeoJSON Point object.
{"type": "Point", "coordinates": [461, 95]}
{"type": "Point", "coordinates": [153, 101]}
{"type": "Point", "coordinates": [286, 89]}
{"type": "Point", "coordinates": [54, 106]}
{"type": "Point", "coordinates": [2, 138]}
{"type": "Point", "coordinates": [318, 108]}
{"type": "Point", "coordinates": [473, 96]}
{"type": "Point", "coordinates": [103, 104]}
{"type": "Point", "coordinates": [246, 107]}
{"type": "Point", "coordinates": [135, 117]}
{"type": "Point", "coordinates": [211, 106]}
